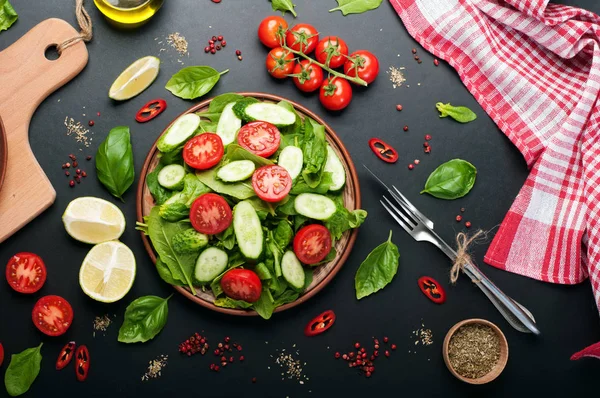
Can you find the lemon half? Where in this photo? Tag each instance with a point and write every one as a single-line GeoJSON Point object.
{"type": "Point", "coordinates": [136, 78]}
{"type": "Point", "coordinates": [93, 220]}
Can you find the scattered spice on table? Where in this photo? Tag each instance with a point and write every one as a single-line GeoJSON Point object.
{"type": "Point", "coordinates": [364, 360]}
{"type": "Point", "coordinates": [226, 351]}
{"type": "Point", "coordinates": [396, 76]}
{"type": "Point", "coordinates": [101, 323]}
{"type": "Point", "coordinates": [468, 224]}
{"type": "Point", "coordinates": [179, 43]}
{"type": "Point", "coordinates": [78, 172]}
{"type": "Point", "coordinates": [293, 367]}
{"type": "Point", "coordinates": [193, 345]}
{"type": "Point", "coordinates": [155, 367]}
{"type": "Point", "coordinates": [398, 107]}
{"type": "Point", "coordinates": [424, 335]}
{"type": "Point", "coordinates": [77, 130]}
{"type": "Point", "coordinates": [474, 350]}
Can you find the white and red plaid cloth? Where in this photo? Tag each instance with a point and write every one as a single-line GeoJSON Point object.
{"type": "Point", "coordinates": [535, 69]}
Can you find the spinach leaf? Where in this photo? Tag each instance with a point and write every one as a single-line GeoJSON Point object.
{"type": "Point", "coordinates": [356, 6]}
{"type": "Point", "coordinates": [263, 272]}
{"type": "Point", "coordinates": [8, 15]}
{"type": "Point", "coordinates": [165, 273]}
{"type": "Point", "coordinates": [236, 152]}
{"type": "Point", "coordinates": [161, 232]}
{"type": "Point", "coordinates": [227, 302]}
{"type": "Point", "coordinates": [227, 238]}
{"type": "Point", "coordinates": [283, 6]}
{"type": "Point", "coordinates": [451, 180]}
{"type": "Point", "coordinates": [278, 286]}
{"type": "Point", "coordinates": [296, 130]}
{"type": "Point", "coordinates": [239, 190]}
{"type": "Point", "coordinates": [343, 219]}
{"type": "Point", "coordinates": [286, 297]}
{"type": "Point", "coordinates": [22, 371]}
{"type": "Point", "coordinates": [159, 193]}
{"type": "Point", "coordinates": [173, 157]}
{"type": "Point", "coordinates": [299, 221]}
{"type": "Point", "coordinates": [114, 161]}
{"type": "Point", "coordinates": [265, 304]}
{"type": "Point", "coordinates": [283, 234]}
{"type": "Point", "coordinates": [461, 114]}
{"type": "Point", "coordinates": [315, 152]}
{"type": "Point", "coordinates": [144, 318]}
{"type": "Point", "coordinates": [300, 186]}
{"type": "Point", "coordinates": [263, 207]}
{"type": "Point", "coordinates": [287, 208]}
{"type": "Point", "coordinates": [308, 278]}
{"type": "Point", "coordinates": [174, 211]}
{"type": "Point", "coordinates": [192, 188]}
{"type": "Point", "coordinates": [378, 269]}
{"type": "Point", "coordinates": [218, 103]}
{"type": "Point", "coordinates": [206, 126]}
{"type": "Point", "coordinates": [193, 81]}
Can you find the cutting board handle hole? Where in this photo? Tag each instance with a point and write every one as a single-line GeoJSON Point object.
{"type": "Point", "coordinates": [51, 53]}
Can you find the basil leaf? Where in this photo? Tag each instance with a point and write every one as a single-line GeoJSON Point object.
{"type": "Point", "coordinates": [145, 317]}
{"type": "Point", "coordinates": [451, 180]}
{"type": "Point", "coordinates": [227, 302]}
{"type": "Point", "coordinates": [8, 15]}
{"type": "Point", "coordinates": [192, 188]}
{"type": "Point", "coordinates": [283, 234]}
{"type": "Point", "coordinates": [315, 152]}
{"type": "Point", "coordinates": [300, 186]}
{"type": "Point", "coordinates": [22, 371]}
{"type": "Point", "coordinates": [343, 219]}
{"type": "Point", "coordinates": [218, 103]}
{"type": "Point", "coordinates": [236, 152]}
{"type": "Point", "coordinates": [193, 81]}
{"type": "Point", "coordinates": [227, 238]}
{"type": "Point", "coordinates": [461, 114]}
{"type": "Point", "coordinates": [159, 193]}
{"type": "Point", "coordinates": [265, 304]}
{"type": "Point", "coordinates": [286, 297]}
{"type": "Point", "coordinates": [283, 6]}
{"type": "Point", "coordinates": [114, 161]}
{"type": "Point", "coordinates": [356, 6]}
{"type": "Point", "coordinates": [165, 273]}
{"type": "Point", "coordinates": [239, 190]}
{"type": "Point", "coordinates": [378, 269]}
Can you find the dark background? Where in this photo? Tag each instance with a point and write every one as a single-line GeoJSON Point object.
{"type": "Point", "coordinates": [566, 315]}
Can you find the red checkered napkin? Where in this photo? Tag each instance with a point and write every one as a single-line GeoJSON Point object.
{"type": "Point", "coordinates": [535, 69]}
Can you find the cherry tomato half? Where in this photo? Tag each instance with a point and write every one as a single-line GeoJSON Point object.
{"type": "Point", "coordinates": [210, 214]}
{"type": "Point", "coordinates": [320, 323]}
{"type": "Point", "coordinates": [332, 49]}
{"type": "Point", "coordinates": [242, 284]}
{"type": "Point", "coordinates": [363, 62]}
{"type": "Point", "coordinates": [312, 244]}
{"type": "Point", "coordinates": [271, 183]}
{"type": "Point", "coordinates": [335, 94]}
{"type": "Point", "coordinates": [203, 151]}
{"type": "Point", "coordinates": [280, 63]}
{"type": "Point", "coordinates": [271, 31]}
{"type": "Point", "coordinates": [260, 138]}
{"type": "Point", "coordinates": [151, 110]}
{"type": "Point", "coordinates": [383, 151]}
{"type": "Point", "coordinates": [302, 37]}
{"type": "Point", "coordinates": [432, 289]}
{"type": "Point", "coordinates": [82, 363]}
{"type": "Point", "coordinates": [65, 355]}
{"type": "Point", "coordinates": [307, 76]}
{"type": "Point", "coordinates": [52, 315]}
{"type": "Point", "coordinates": [26, 272]}
{"type": "Point", "coordinates": [1, 354]}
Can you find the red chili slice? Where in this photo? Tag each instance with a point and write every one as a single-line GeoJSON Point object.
{"type": "Point", "coordinates": [383, 151]}
{"type": "Point", "coordinates": [65, 356]}
{"type": "Point", "coordinates": [151, 110]}
{"type": "Point", "coordinates": [432, 289]}
{"type": "Point", "coordinates": [320, 324]}
{"type": "Point", "coordinates": [82, 363]}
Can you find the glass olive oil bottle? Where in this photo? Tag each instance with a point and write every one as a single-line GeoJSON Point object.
{"type": "Point", "coordinates": [128, 13]}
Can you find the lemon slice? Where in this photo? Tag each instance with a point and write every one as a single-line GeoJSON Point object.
{"type": "Point", "coordinates": [135, 79]}
{"type": "Point", "coordinates": [93, 220]}
{"type": "Point", "coordinates": [107, 272]}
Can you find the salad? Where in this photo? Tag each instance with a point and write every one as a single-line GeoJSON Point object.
{"type": "Point", "coordinates": [247, 202]}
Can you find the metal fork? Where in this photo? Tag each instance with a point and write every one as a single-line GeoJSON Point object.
{"type": "Point", "coordinates": [421, 229]}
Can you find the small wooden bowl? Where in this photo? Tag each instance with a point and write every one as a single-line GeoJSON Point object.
{"type": "Point", "coordinates": [496, 370]}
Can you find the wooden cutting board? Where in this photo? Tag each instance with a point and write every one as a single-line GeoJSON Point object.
{"type": "Point", "coordinates": [27, 77]}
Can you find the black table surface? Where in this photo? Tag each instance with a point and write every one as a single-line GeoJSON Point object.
{"type": "Point", "coordinates": [566, 315]}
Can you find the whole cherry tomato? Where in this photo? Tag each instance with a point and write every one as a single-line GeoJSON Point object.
{"type": "Point", "coordinates": [331, 51]}
{"type": "Point", "coordinates": [363, 62]}
{"type": "Point", "coordinates": [302, 37]}
{"type": "Point", "coordinates": [335, 94]}
{"type": "Point", "coordinates": [280, 63]}
{"type": "Point", "coordinates": [271, 31]}
{"type": "Point", "coordinates": [307, 76]}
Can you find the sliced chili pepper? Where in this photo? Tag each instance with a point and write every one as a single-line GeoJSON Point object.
{"type": "Point", "coordinates": [320, 324]}
{"type": "Point", "coordinates": [432, 289]}
{"type": "Point", "coordinates": [151, 110]}
{"type": "Point", "coordinates": [383, 151]}
{"type": "Point", "coordinates": [82, 362]}
{"type": "Point", "coordinates": [65, 356]}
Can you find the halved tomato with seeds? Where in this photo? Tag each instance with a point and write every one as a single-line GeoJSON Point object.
{"type": "Point", "coordinates": [26, 272]}
{"type": "Point", "coordinates": [52, 315]}
{"type": "Point", "coordinates": [260, 138]}
{"type": "Point", "coordinates": [271, 183]}
{"type": "Point", "coordinates": [203, 151]}
{"type": "Point", "coordinates": [242, 284]}
{"type": "Point", "coordinates": [312, 244]}
{"type": "Point", "coordinates": [210, 214]}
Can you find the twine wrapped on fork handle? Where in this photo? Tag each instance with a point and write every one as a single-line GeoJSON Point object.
{"type": "Point", "coordinates": [463, 242]}
{"type": "Point", "coordinates": [85, 23]}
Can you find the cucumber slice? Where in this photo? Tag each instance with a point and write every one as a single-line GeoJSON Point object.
{"type": "Point", "coordinates": [241, 105]}
{"type": "Point", "coordinates": [312, 205]}
{"type": "Point", "coordinates": [248, 230]}
{"type": "Point", "coordinates": [210, 264]}
{"type": "Point", "coordinates": [292, 270]}
{"type": "Point", "coordinates": [171, 177]}
{"type": "Point", "coordinates": [267, 112]}
{"type": "Point", "coordinates": [181, 130]}
{"type": "Point", "coordinates": [228, 125]}
{"type": "Point", "coordinates": [238, 170]}
{"type": "Point", "coordinates": [291, 159]}
{"type": "Point", "coordinates": [179, 197]}
{"type": "Point", "coordinates": [336, 168]}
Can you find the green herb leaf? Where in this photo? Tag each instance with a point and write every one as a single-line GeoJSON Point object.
{"type": "Point", "coordinates": [239, 190]}
{"type": "Point", "coordinates": [283, 6]}
{"type": "Point", "coordinates": [451, 180]}
{"type": "Point", "coordinates": [236, 152]}
{"type": "Point", "coordinates": [300, 186]}
{"type": "Point", "coordinates": [378, 269]}
{"type": "Point", "coordinates": [193, 81]}
{"type": "Point", "coordinates": [283, 234]}
{"type": "Point", "coordinates": [165, 273]}
{"type": "Point", "coordinates": [356, 6]}
{"type": "Point", "coordinates": [22, 371]}
{"type": "Point", "coordinates": [265, 304]}
{"type": "Point", "coordinates": [315, 152]}
{"type": "Point", "coordinates": [114, 162]}
{"type": "Point", "coordinates": [286, 297]}
{"type": "Point", "coordinates": [159, 193]}
{"type": "Point", "coordinates": [461, 114]}
{"type": "Point", "coordinates": [192, 188]}
{"type": "Point", "coordinates": [343, 220]}
{"type": "Point", "coordinates": [8, 15]}
{"type": "Point", "coordinates": [218, 103]}
{"type": "Point", "coordinates": [145, 317]}
{"type": "Point", "coordinates": [227, 302]}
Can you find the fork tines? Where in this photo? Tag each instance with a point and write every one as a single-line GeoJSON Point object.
{"type": "Point", "coordinates": [405, 218]}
